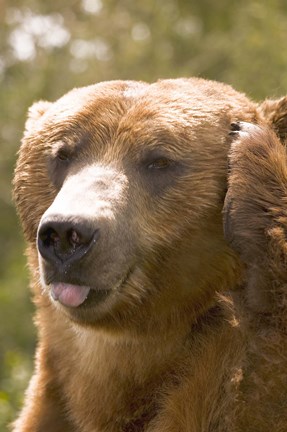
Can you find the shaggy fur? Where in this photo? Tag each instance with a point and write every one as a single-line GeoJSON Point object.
{"type": "Point", "coordinates": [182, 329]}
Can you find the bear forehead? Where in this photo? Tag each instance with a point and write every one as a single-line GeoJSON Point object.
{"type": "Point", "coordinates": [139, 113]}
{"type": "Point", "coordinates": [161, 99]}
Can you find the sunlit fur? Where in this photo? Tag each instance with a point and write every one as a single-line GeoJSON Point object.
{"type": "Point", "coordinates": [187, 340]}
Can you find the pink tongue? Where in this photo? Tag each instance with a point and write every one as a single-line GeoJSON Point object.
{"type": "Point", "coordinates": [69, 295]}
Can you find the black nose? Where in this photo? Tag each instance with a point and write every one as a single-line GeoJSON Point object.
{"type": "Point", "coordinates": [65, 240]}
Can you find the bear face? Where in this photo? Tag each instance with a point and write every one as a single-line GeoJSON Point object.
{"type": "Point", "coordinates": [123, 184]}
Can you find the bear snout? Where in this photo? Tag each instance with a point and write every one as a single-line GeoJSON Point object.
{"type": "Point", "coordinates": [64, 241]}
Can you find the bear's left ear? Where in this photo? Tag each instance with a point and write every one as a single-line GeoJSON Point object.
{"type": "Point", "coordinates": [35, 112]}
{"type": "Point", "coordinates": [275, 113]}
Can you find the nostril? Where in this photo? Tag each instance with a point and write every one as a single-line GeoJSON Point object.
{"type": "Point", "coordinates": [49, 237]}
{"type": "Point", "coordinates": [74, 238]}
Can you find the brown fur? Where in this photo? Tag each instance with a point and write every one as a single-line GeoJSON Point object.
{"type": "Point", "coordinates": [193, 334]}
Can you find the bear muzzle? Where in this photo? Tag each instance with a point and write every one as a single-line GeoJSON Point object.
{"type": "Point", "coordinates": [79, 238]}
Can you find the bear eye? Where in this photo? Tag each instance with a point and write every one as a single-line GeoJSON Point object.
{"type": "Point", "coordinates": [62, 155]}
{"type": "Point", "coordinates": [160, 163]}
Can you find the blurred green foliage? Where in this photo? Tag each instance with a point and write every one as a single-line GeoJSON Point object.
{"type": "Point", "coordinates": [48, 47]}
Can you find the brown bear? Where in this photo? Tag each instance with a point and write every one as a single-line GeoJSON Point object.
{"type": "Point", "coordinates": [156, 244]}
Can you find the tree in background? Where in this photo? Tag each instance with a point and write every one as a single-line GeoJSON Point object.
{"type": "Point", "coordinates": [46, 48]}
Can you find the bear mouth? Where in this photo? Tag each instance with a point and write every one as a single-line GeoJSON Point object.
{"type": "Point", "coordinates": [69, 295]}
{"type": "Point", "coordinates": [76, 296]}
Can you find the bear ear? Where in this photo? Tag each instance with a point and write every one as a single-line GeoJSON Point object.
{"type": "Point", "coordinates": [275, 113]}
{"type": "Point", "coordinates": [35, 112]}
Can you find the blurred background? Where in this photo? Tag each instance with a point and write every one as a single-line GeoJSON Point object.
{"type": "Point", "coordinates": [48, 47]}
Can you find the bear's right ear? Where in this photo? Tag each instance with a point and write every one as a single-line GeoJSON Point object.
{"type": "Point", "coordinates": [275, 113]}
{"type": "Point", "coordinates": [35, 112]}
